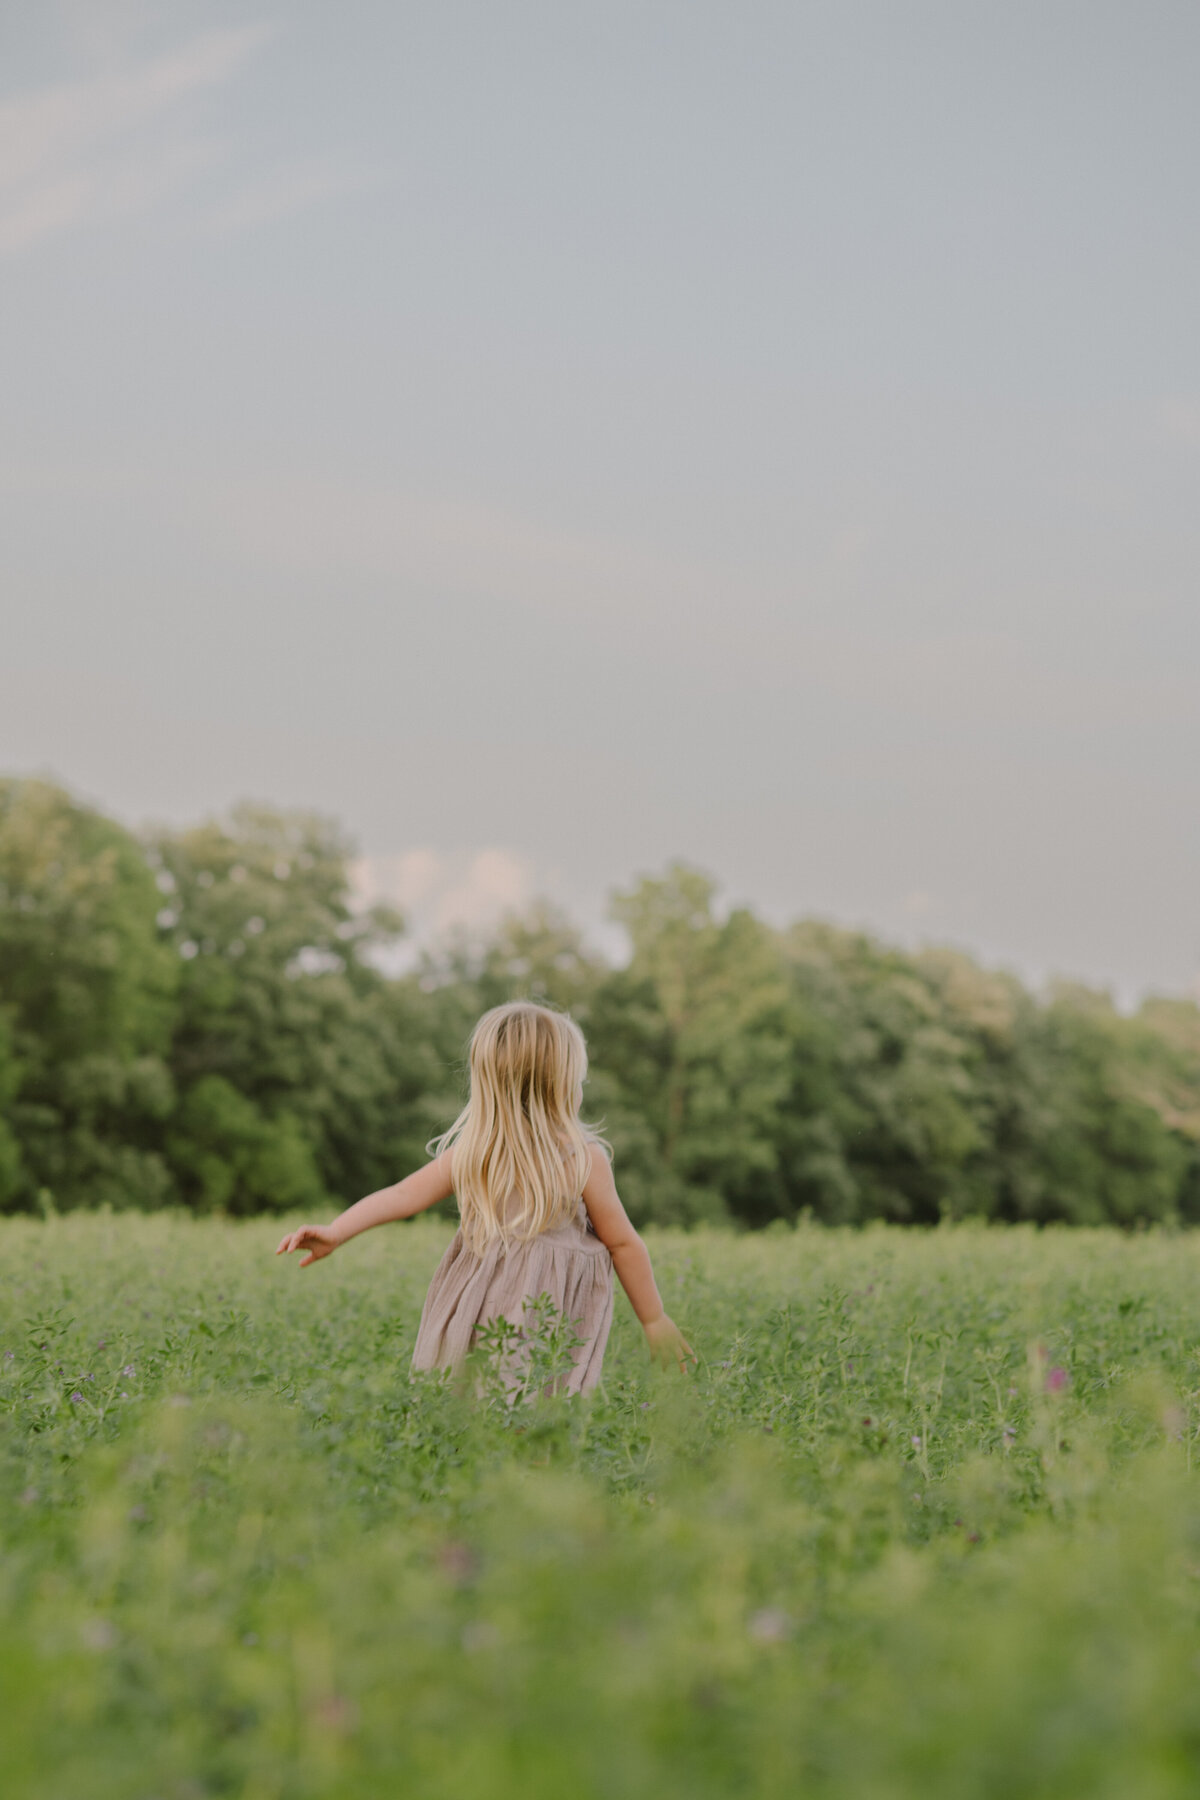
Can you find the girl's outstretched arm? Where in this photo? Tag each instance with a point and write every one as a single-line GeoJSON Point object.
{"type": "Point", "coordinates": [631, 1260]}
{"type": "Point", "coordinates": [422, 1189]}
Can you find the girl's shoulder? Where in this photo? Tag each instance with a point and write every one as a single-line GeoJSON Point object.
{"type": "Point", "coordinates": [596, 1147]}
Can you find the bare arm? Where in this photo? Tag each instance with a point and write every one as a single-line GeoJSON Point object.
{"type": "Point", "coordinates": [631, 1260]}
{"type": "Point", "coordinates": [422, 1189]}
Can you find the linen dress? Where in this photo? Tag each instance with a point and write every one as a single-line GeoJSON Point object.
{"type": "Point", "coordinates": [569, 1263]}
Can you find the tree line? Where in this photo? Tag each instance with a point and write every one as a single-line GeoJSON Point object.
{"type": "Point", "coordinates": [196, 1019]}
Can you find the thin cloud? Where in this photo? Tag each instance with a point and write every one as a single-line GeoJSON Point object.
{"type": "Point", "coordinates": [441, 892]}
{"type": "Point", "coordinates": [48, 207]}
{"type": "Point", "coordinates": [391, 534]}
{"type": "Point", "coordinates": [441, 895]}
{"type": "Point", "coordinates": [78, 152]}
{"type": "Point", "coordinates": [495, 882]}
{"type": "Point", "coordinates": [284, 192]}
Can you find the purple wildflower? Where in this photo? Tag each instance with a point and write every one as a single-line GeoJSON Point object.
{"type": "Point", "coordinates": [77, 1396]}
{"type": "Point", "coordinates": [1056, 1381]}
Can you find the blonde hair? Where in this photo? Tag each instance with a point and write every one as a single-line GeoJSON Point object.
{"type": "Point", "coordinates": [519, 1139]}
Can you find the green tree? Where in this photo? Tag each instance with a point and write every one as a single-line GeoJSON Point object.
{"type": "Point", "coordinates": [885, 1109]}
{"type": "Point", "coordinates": [230, 1157]}
{"type": "Point", "coordinates": [1164, 1073]}
{"type": "Point", "coordinates": [304, 1075]}
{"type": "Point", "coordinates": [690, 1054]}
{"type": "Point", "coordinates": [11, 1170]}
{"type": "Point", "coordinates": [1113, 1152]}
{"type": "Point", "coordinates": [538, 954]}
{"type": "Point", "coordinates": [89, 991]}
{"type": "Point", "coordinates": [202, 1016]}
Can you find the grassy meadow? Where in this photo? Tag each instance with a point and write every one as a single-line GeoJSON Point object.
{"type": "Point", "coordinates": [925, 1523]}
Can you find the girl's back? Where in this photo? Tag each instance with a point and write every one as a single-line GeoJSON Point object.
{"type": "Point", "coordinates": [539, 1212]}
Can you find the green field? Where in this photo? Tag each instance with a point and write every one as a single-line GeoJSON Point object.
{"type": "Point", "coordinates": [925, 1523]}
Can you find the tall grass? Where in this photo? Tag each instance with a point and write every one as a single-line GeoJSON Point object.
{"type": "Point", "coordinates": [924, 1523]}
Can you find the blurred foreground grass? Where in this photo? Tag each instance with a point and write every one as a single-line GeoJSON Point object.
{"type": "Point", "coordinates": [925, 1523]}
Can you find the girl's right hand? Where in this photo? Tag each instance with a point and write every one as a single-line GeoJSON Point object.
{"type": "Point", "coordinates": [318, 1240]}
{"type": "Point", "coordinates": [668, 1344]}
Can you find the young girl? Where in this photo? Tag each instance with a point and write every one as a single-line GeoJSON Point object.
{"type": "Point", "coordinates": [538, 1208]}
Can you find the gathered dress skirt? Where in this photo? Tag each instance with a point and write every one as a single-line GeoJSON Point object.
{"type": "Point", "coordinates": [467, 1291]}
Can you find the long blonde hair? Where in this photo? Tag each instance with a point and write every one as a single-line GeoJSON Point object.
{"type": "Point", "coordinates": [519, 1139]}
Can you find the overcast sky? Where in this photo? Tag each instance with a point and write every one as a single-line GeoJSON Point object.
{"type": "Point", "coordinates": [559, 438]}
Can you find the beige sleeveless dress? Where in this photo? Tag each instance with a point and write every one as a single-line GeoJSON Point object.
{"type": "Point", "coordinates": [570, 1264]}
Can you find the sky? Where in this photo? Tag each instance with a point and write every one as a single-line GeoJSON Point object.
{"type": "Point", "coordinates": [559, 439]}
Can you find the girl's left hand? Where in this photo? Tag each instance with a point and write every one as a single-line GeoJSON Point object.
{"type": "Point", "coordinates": [318, 1240]}
{"type": "Point", "coordinates": [668, 1344]}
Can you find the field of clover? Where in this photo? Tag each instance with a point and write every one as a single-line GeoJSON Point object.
{"type": "Point", "coordinates": [924, 1523]}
